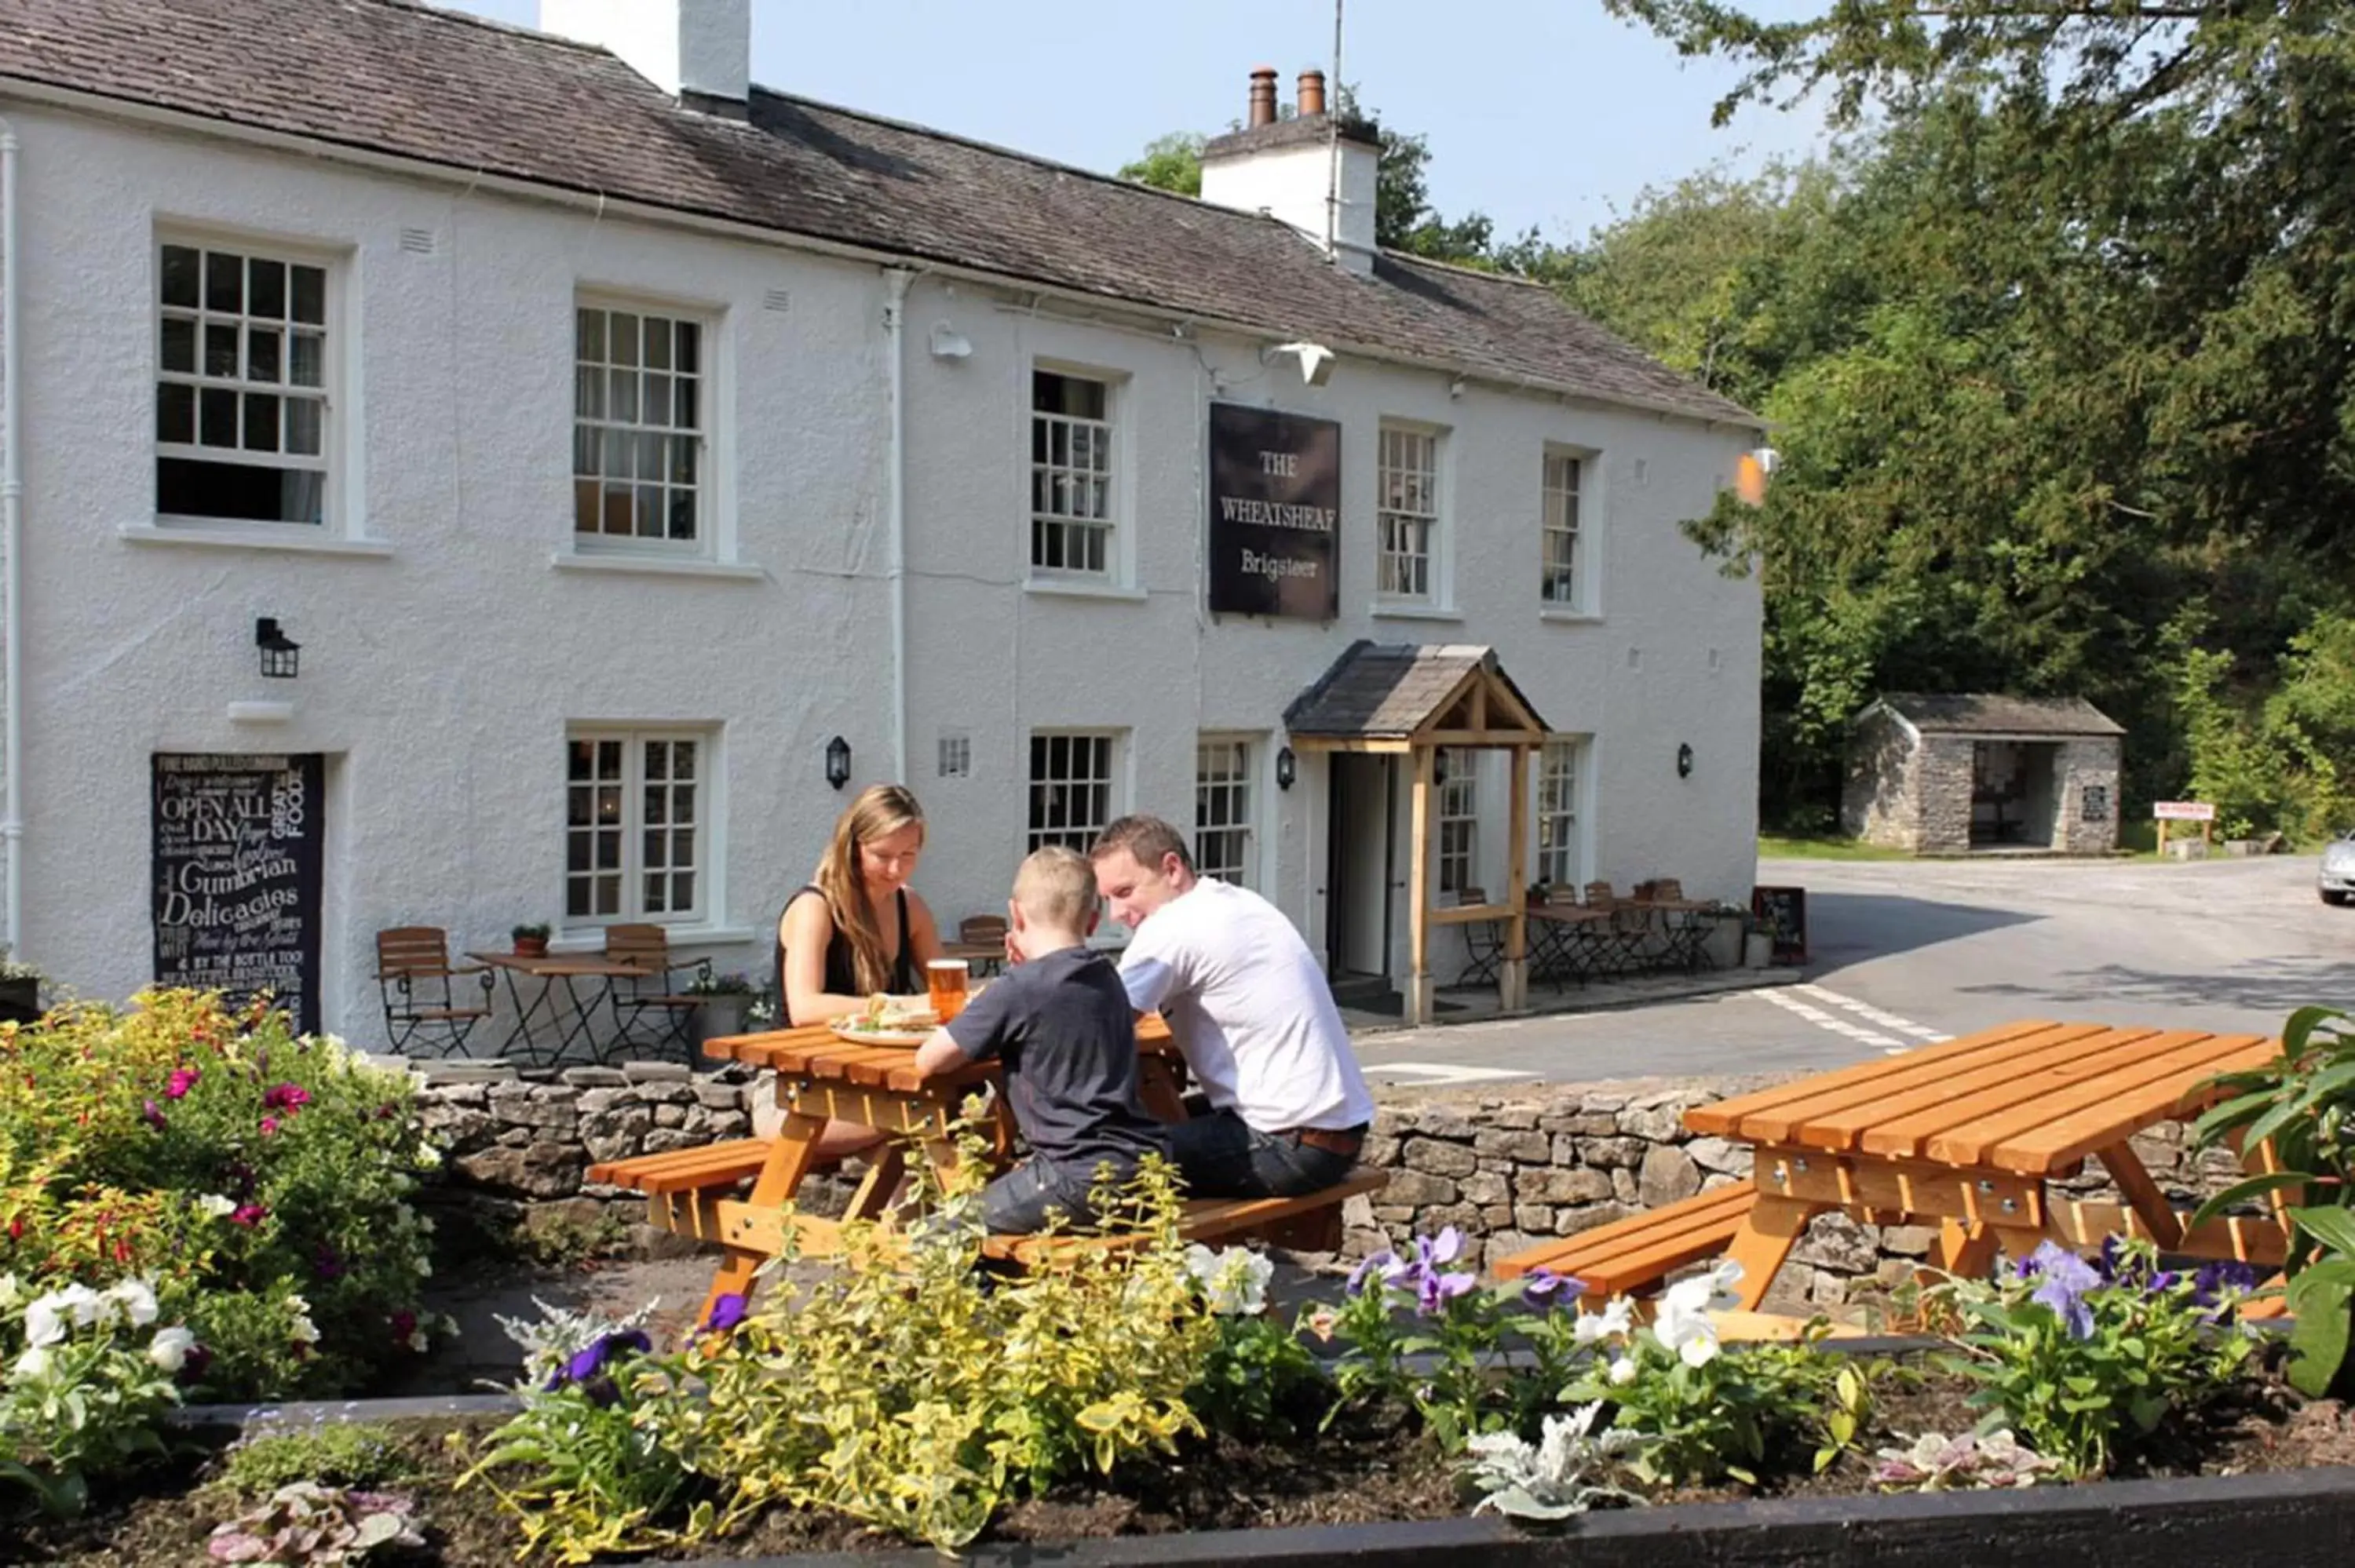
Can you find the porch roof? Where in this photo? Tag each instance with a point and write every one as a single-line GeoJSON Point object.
{"type": "Point", "coordinates": [1397, 695]}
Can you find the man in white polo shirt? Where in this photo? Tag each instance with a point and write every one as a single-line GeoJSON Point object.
{"type": "Point", "coordinates": [1249, 1008]}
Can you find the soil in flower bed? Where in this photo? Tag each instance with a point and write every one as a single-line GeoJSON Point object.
{"type": "Point", "coordinates": [1363, 1471]}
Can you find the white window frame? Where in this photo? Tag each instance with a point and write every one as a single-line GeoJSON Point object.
{"type": "Point", "coordinates": [1455, 817]}
{"type": "Point", "coordinates": [632, 787]}
{"type": "Point", "coordinates": [610, 430]}
{"type": "Point", "coordinates": [1227, 797]}
{"type": "Point", "coordinates": [1411, 509]}
{"type": "Point", "coordinates": [1559, 791]}
{"type": "Point", "coordinates": [1079, 828]}
{"type": "Point", "coordinates": [331, 460]}
{"type": "Point", "coordinates": [1104, 434]}
{"type": "Point", "coordinates": [1564, 578]}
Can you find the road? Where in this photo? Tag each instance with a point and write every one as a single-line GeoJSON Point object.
{"type": "Point", "coordinates": [1905, 952]}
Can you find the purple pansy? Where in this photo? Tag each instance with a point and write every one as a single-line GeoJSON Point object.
{"type": "Point", "coordinates": [1381, 1268]}
{"type": "Point", "coordinates": [592, 1359]}
{"type": "Point", "coordinates": [2066, 1277]}
{"type": "Point", "coordinates": [153, 1115]}
{"type": "Point", "coordinates": [1553, 1289]}
{"type": "Point", "coordinates": [726, 1313]}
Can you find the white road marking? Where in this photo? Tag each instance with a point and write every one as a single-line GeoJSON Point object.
{"type": "Point", "coordinates": [1430, 1075]}
{"type": "Point", "coordinates": [1887, 1037]}
{"type": "Point", "coordinates": [1872, 1014]}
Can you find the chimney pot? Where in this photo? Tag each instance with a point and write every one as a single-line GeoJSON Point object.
{"type": "Point", "coordinates": [1311, 92]}
{"type": "Point", "coordinates": [1263, 97]}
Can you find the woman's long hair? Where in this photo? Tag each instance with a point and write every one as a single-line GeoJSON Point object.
{"type": "Point", "coordinates": [880, 810]}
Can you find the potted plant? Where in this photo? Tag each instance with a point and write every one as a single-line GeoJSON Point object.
{"type": "Point", "coordinates": [531, 941]}
{"type": "Point", "coordinates": [726, 999]}
{"type": "Point", "coordinates": [20, 991]}
{"type": "Point", "coordinates": [1757, 942]}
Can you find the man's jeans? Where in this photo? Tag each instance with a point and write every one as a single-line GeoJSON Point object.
{"type": "Point", "coordinates": [1016, 1203]}
{"type": "Point", "coordinates": [1221, 1156]}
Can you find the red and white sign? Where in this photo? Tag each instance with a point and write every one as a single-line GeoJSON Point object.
{"type": "Point", "coordinates": [2183, 811]}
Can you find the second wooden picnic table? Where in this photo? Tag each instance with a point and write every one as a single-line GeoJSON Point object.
{"type": "Point", "coordinates": [1966, 1136]}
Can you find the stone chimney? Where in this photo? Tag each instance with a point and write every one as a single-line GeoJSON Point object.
{"type": "Point", "coordinates": [1287, 169]}
{"type": "Point", "coordinates": [690, 48]}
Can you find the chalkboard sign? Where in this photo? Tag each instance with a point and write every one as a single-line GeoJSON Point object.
{"type": "Point", "coordinates": [237, 855]}
{"type": "Point", "coordinates": [1783, 911]}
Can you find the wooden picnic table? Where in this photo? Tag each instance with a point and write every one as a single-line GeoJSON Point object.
{"type": "Point", "coordinates": [1969, 1135]}
{"type": "Point", "coordinates": [822, 1076]}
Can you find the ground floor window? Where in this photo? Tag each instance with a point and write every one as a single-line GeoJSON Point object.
{"type": "Point", "coordinates": [635, 826]}
{"type": "Point", "coordinates": [1558, 768]}
{"type": "Point", "coordinates": [1223, 796]}
{"type": "Point", "coordinates": [1070, 789]}
{"type": "Point", "coordinates": [1458, 817]}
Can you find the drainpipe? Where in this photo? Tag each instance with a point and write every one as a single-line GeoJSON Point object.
{"type": "Point", "coordinates": [11, 505]}
{"type": "Point", "coordinates": [895, 312]}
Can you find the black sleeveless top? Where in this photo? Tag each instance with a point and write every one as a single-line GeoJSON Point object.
{"type": "Point", "coordinates": [842, 960]}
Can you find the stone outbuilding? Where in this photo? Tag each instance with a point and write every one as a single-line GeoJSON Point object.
{"type": "Point", "coordinates": [1954, 773]}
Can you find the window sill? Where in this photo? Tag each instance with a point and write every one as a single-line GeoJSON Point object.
{"type": "Point", "coordinates": [1570, 617]}
{"type": "Point", "coordinates": [656, 565]}
{"type": "Point", "coordinates": [1057, 588]}
{"type": "Point", "coordinates": [307, 538]}
{"type": "Point", "coordinates": [1387, 610]}
{"type": "Point", "coordinates": [593, 940]}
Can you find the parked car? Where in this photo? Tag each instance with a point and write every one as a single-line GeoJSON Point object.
{"type": "Point", "coordinates": [2336, 880]}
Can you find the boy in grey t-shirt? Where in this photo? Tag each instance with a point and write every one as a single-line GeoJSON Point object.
{"type": "Point", "coordinates": [1061, 1023]}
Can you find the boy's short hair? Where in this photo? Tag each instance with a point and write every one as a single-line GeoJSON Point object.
{"type": "Point", "coordinates": [1056, 886]}
{"type": "Point", "coordinates": [1148, 839]}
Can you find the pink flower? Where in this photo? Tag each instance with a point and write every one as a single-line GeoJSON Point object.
{"type": "Point", "coordinates": [152, 1116]}
{"type": "Point", "coordinates": [286, 1097]}
{"type": "Point", "coordinates": [249, 1213]}
{"type": "Point", "coordinates": [181, 1083]}
{"type": "Point", "coordinates": [269, 1126]}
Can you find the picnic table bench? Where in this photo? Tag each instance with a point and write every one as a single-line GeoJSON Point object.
{"type": "Point", "coordinates": [1965, 1136]}
{"type": "Point", "coordinates": [820, 1076]}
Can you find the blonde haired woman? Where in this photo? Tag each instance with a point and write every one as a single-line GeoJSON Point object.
{"type": "Point", "coordinates": [857, 929]}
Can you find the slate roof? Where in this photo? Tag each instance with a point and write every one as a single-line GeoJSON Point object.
{"type": "Point", "coordinates": [397, 77]}
{"type": "Point", "coordinates": [1975, 714]}
{"type": "Point", "coordinates": [1388, 691]}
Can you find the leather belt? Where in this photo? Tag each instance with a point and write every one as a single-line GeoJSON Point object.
{"type": "Point", "coordinates": [1343, 1141]}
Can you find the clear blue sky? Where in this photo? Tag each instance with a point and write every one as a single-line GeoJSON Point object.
{"type": "Point", "coordinates": [1538, 111]}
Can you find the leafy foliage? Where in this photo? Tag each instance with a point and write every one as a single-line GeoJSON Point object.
{"type": "Point", "coordinates": [345, 1454]}
{"type": "Point", "coordinates": [2082, 1357]}
{"type": "Point", "coordinates": [82, 1401]}
{"type": "Point", "coordinates": [1562, 1474]}
{"type": "Point", "coordinates": [305, 1525]}
{"type": "Point", "coordinates": [1972, 1462]}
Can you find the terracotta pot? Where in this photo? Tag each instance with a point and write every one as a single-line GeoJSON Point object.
{"type": "Point", "coordinates": [531, 947]}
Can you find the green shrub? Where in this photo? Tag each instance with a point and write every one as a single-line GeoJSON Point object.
{"type": "Point", "coordinates": [340, 1454]}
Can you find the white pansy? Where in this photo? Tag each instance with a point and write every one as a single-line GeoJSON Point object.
{"type": "Point", "coordinates": [1683, 1323]}
{"type": "Point", "coordinates": [1233, 1280]}
{"type": "Point", "coordinates": [428, 1157]}
{"type": "Point", "coordinates": [215, 1206]}
{"type": "Point", "coordinates": [424, 1269]}
{"type": "Point", "coordinates": [296, 1305]}
{"type": "Point", "coordinates": [424, 1226]}
{"type": "Point", "coordinates": [1613, 1322]}
{"type": "Point", "coordinates": [33, 1364]}
{"type": "Point", "coordinates": [1623, 1371]}
{"type": "Point", "coordinates": [170, 1347]}
{"type": "Point", "coordinates": [305, 1331]}
{"type": "Point", "coordinates": [418, 1341]}
{"type": "Point", "coordinates": [45, 1321]}
{"type": "Point", "coordinates": [136, 1298]}
{"type": "Point", "coordinates": [87, 1306]}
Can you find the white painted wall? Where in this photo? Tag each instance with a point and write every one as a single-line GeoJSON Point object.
{"type": "Point", "coordinates": [443, 657]}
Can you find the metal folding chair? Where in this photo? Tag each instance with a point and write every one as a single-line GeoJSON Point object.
{"type": "Point", "coordinates": [1484, 943]}
{"type": "Point", "coordinates": [419, 986]}
{"type": "Point", "coordinates": [650, 1007]}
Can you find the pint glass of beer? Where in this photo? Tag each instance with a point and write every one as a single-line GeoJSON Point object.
{"type": "Point", "coordinates": [946, 977]}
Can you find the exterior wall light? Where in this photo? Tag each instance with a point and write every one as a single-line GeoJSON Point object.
{"type": "Point", "coordinates": [1287, 769]}
{"type": "Point", "coordinates": [837, 762]}
{"type": "Point", "coordinates": [281, 654]}
{"type": "Point", "coordinates": [1684, 761]}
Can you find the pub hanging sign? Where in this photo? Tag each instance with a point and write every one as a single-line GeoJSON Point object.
{"type": "Point", "coordinates": [237, 863]}
{"type": "Point", "coordinates": [1275, 513]}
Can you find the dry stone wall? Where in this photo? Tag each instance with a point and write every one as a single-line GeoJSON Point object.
{"type": "Point", "coordinates": [1511, 1171]}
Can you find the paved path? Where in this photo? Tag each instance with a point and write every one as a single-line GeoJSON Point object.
{"type": "Point", "coordinates": [1907, 953]}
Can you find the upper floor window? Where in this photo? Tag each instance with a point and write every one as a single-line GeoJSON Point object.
{"type": "Point", "coordinates": [635, 826]}
{"type": "Point", "coordinates": [1407, 496]}
{"type": "Point", "coordinates": [1070, 475]}
{"type": "Point", "coordinates": [242, 373]}
{"type": "Point", "coordinates": [1562, 583]}
{"type": "Point", "coordinates": [1223, 836]}
{"type": "Point", "coordinates": [638, 421]}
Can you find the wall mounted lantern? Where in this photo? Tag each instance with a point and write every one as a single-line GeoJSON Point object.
{"type": "Point", "coordinates": [837, 762]}
{"type": "Point", "coordinates": [1684, 761]}
{"type": "Point", "coordinates": [281, 654]}
{"type": "Point", "coordinates": [1287, 769]}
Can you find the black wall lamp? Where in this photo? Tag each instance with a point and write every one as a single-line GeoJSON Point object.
{"type": "Point", "coordinates": [837, 762]}
{"type": "Point", "coordinates": [1287, 769]}
{"type": "Point", "coordinates": [1684, 761]}
{"type": "Point", "coordinates": [281, 654]}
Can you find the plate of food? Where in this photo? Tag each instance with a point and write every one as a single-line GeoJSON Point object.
{"type": "Point", "coordinates": [890, 1020]}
